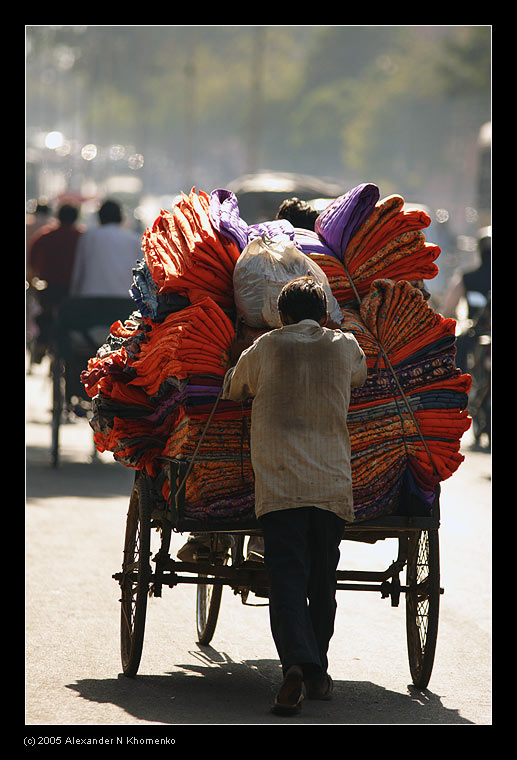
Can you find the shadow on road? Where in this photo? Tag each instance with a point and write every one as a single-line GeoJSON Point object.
{"type": "Point", "coordinates": [221, 691]}
{"type": "Point", "coordinates": [96, 479]}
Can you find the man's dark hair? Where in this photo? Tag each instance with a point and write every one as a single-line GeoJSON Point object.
{"type": "Point", "coordinates": [298, 212]}
{"type": "Point", "coordinates": [110, 213]}
{"type": "Point", "coordinates": [67, 214]}
{"type": "Point", "coordinates": [303, 298]}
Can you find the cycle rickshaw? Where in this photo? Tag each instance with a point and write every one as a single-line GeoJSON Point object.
{"type": "Point", "coordinates": [145, 572]}
{"type": "Point", "coordinates": [79, 324]}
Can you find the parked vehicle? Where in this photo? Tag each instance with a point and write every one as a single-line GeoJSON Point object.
{"type": "Point", "coordinates": [261, 194]}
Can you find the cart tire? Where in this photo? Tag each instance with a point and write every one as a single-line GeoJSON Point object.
{"type": "Point", "coordinates": [422, 604]}
{"type": "Point", "coordinates": [208, 603]}
{"type": "Point", "coordinates": [135, 580]}
{"type": "Point", "coordinates": [57, 407]}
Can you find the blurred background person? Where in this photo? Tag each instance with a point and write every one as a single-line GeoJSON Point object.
{"type": "Point", "coordinates": [106, 256]}
{"type": "Point", "coordinates": [473, 286]}
{"type": "Point", "coordinates": [51, 260]}
{"type": "Point", "coordinates": [41, 217]}
{"type": "Point", "coordinates": [473, 290]}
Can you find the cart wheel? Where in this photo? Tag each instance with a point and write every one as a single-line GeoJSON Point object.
{"type": "Point", "coordinates": [422, 604]}
{"type": "Point", "coordinates": [57, 407]}
{"type": "Point", "coordinates": [208, 603]}
{"type": "Point", "coordinates": [136, 574]}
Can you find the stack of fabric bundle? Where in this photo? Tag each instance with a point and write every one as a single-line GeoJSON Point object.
{"type": "Point", "coordinates": [155, 385]}
{"type": "Point", "coordinates": [220, 482]}
{"type": "Point", "coordinates": [121, 411]}
{"type": "Point", "coordinates": [158, 378]}
{"type": "Point", "coordinates": [186, 255]}
{"type": "Point", "coordinates": [408, 418]}
{"type": "Point", "coordinates": [381, 240]}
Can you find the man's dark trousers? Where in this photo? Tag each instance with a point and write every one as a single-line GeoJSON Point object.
{"type": "Point", "coordinates": [301, 554]}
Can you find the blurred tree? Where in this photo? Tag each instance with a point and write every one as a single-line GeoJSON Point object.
{"type": "Point", "coordinates": [388, 104]}
{"type": "Point", "coordinates": [389, 110]}
{"type": "Point", "coordinates": [465, 64]}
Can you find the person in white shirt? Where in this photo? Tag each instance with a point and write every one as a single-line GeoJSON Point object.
{"type": "Point", "coordinates": [106, 256]}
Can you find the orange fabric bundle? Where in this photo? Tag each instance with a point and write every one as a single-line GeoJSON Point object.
{"type": "Point", "coordinates": [195, 340]}
{"type": "Point", "coordinates": [386, 437]}
{"type": "Point", "coordinates": [186, 254]}
{"type": "Point", "coordinates": [380, 228]}
{"type": "Point", "coordinates": [396, 314]}
{"type": "Point", "coordinates": [401, 263]}
{"type": "Point", "coordinates": [388, 244]}
{"type": "Point", "coordinates": [107, 372]}
{"type": "Point", "coordinates": [222, 465]}
{"type": "Point", "coordinates": [135, 442]}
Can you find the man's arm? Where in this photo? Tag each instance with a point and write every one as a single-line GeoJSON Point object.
{"type": "Point", "coordinates": [359, 368]}
{"type": "Point", "coordinates": [240, 381]}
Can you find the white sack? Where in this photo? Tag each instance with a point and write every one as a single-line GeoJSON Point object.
{"type": "Point", "coordinates": [262, 270]}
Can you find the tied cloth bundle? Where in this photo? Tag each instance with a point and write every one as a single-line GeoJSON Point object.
{"type": "Point", "coordinates": [386, 241]}
{"type": "Point", "coordinates": [185, 253]}
{"type": "Point", "coordinates": [122, 413]}
{"type": "Point", "coordinates": [149, 375]}
{"type": "Point", "coordinates": [220, 482]}
{"type": "Point", "coordinates": [406, 422]}
{"type": "Point", "coordinates": [226, 219]}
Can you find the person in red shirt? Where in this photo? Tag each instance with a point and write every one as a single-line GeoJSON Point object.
{"type": "Point", "coordinates": [52, 257]}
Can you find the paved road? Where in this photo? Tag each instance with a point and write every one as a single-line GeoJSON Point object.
{"type": "Point", "coordinates": [75, 518]}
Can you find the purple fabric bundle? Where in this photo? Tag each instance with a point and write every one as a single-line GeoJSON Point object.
{"type": "Point", "coordinates": [333, 230]}
{"type": "Point", "coordinates": [225, 216]}
{"type": "Point", "coordinates": [310, 242]}
{"type": "Point", "coordinates": [339, 221]}
{"type": "Point", "coordinates": [276, 227]}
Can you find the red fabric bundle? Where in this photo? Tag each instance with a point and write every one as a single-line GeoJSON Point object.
{"type": "Point", "coordinates": [195, 340]}
{"type": "Point", "coordinates": [186, 254]}
{"type": "Point", "coordinates": [396, 315]}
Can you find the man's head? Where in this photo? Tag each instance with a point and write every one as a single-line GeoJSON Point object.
{"type": "Point", "coordinates": [303, 298]}
{"type": "Point", "coordinates": [67, 214]}
{"type": "Point", "coordinates": [298, 212]}
{"type": "Point", "coordinates": [110, 213]}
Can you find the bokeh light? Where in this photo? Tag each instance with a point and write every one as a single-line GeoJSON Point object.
{"type": "Point", "coordinates": [54, 140]}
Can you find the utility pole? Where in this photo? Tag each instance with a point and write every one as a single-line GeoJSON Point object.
{"type": "Point", "coordinates": [190, 71]}
{"type": "Point", "coordinates": [258, 55]}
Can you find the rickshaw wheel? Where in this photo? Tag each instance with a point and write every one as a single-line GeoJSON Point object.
{"type": "Point", "coordinates": [208, 603]}
{"type": "Point", "coordinates": [58, 393]}
{"type": "Point", "coordinates": [422, 604]}
{"type": "Point", "coordinates": [136, 574]}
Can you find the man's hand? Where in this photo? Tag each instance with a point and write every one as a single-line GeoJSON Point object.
{"type": "Point", "coordinates": [239, 344]}
{"type": "Point", "coordinates": [245, 336]}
